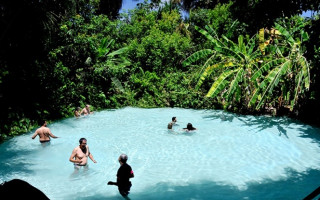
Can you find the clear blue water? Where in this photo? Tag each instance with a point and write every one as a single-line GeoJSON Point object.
{"type": "Point", "coordinates": [228, 157]}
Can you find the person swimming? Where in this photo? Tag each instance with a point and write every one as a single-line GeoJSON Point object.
{"type": "Point", "coordinates": [173, 122]}
{"type": "Point", "coordinates": [190, 127]}
{"type": "Point", "coordinates": [77, 112]}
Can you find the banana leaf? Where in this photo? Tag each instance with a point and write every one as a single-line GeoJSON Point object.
{"type": "Point", "coordinates": [296, 91]}
{"type": "Point", "coordinates": [235, 82]}
{"type": "Point", "coordinates": [197, 56]}
{"type": "Point", "coordinates": [219, 84]}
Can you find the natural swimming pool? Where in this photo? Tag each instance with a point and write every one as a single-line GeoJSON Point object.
{"type": "Point", "coordinates": [229, 156]}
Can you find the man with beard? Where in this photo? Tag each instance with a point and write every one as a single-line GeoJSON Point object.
{"type": "Point", "coordinates": [81, 153]}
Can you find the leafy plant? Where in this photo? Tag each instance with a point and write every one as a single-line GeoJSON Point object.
{"type": "Point", "coordinates": [287, 66]}
{"type": "Point", "coordinates": [234, 61]}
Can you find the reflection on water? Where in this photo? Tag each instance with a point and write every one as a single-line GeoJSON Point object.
{"type": "Point", "coordinates": [228, 156]}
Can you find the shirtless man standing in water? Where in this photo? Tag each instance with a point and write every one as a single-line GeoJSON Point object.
{"type": "Point", "coordinates": [81, 153]}
{"type": "Point", "coordinates": [86, 110]}
{"type": "Point", "coordinates": [44, 133]}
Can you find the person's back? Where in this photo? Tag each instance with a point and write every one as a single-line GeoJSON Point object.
{"type": "Point", "coordinates": [44, 133]}
{"type": "Point", "coordinates": [86, 110]}
{"type": "Point", "coordinates": [170, 125]}
{"type": "Point", "coordinates": [123, 175]}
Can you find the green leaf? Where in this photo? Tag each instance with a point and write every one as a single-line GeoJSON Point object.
{"type": "Point", "coordinates": [205, 73]}
{"type": "Point", "coordinates": [219, 84]}
{"type": "Point", "coordinates": [266, 67]}
{"type": "Point", "coordinates": [235, 82]}
{"type": "Point", "coordinates": [197, 56]}
{"type": "Point", "coordinates": [296, 91]}
{"type": "Point", "coordinates": [285, 33]}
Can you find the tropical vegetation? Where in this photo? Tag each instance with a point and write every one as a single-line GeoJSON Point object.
{"type": "Point", "coordinates": [248, 57]}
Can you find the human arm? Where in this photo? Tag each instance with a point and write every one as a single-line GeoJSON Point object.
{"type": "Point", "coordinates": [34, 135]}
{"type": "Point", "coordinates": [84, 111]}
{"type": "Point", "coordinates": [91, 157]}
{"type": "Point", "coordinates": [51, 135]}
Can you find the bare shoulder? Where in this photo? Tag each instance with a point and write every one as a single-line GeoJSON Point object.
{"type": "Point", "coordinates": [76, 148]}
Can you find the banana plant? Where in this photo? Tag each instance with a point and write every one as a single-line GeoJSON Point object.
{"type": "Point", "coordinates": [234, 61]}
{"type": "Point", "coordinates": [110, 65]}
{"type": "Point", "coordinates": [107, 60]}
{"type": "Point", "coordinates": [287, 67]}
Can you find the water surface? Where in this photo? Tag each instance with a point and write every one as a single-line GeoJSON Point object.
{"type": "Point", "coordinates": [229, 156]}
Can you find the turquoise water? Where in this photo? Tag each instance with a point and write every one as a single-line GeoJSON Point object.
{"type": "Point", "coordinates": [228, 157]}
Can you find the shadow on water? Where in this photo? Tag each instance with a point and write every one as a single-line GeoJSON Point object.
{"type": "Point", "coordinates": [8, 155]}
{"type": "Point", "coordinates": [282, 124]}
{"type": "Point", "coordinates": [283, 189]}
{"type": "Point", "coordinates": [260, 123]}
{"type": "Point", "coordinates": [220, 115]}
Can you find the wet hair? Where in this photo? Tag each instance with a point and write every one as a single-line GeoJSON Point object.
{"type": "Point", "coordinates": [81, 139]}
{"type": "Point", "coordinates": [42, 122]}
{"type": "Point", "coordinates": [190, 127]}
{"type": "Point", "coordinates": [123, 158]}
{"type": "Point", "coordinates": [173, 118]}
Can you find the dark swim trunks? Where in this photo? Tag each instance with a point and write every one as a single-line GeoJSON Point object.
{"type": "Point", "coordinates": [124, 189]}
{"type": "Point", "coordinates": [44, 141]}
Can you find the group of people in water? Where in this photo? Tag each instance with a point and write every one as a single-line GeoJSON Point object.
{"type": "Point", "coordinates": [174, 122]}
{"type": "Point", "coordinates": [85, 111]}
{"type": "Point", "coordinates": [80, 154]}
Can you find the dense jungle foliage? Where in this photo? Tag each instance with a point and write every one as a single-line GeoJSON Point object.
{"type": "Point", "coordinates": [248, 57]}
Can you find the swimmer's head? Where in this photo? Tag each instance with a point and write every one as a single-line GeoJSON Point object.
{"type": "Point", "coordinates": [43, 123]}
{"type": "Point", "coordinates": [82, 139]}
{"type": "Point", "coordinates": [174, 119]}
{"type": "Point", "coordinates": [189, 126]}
{"type": "Point", "coordinates": [123, 158]}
